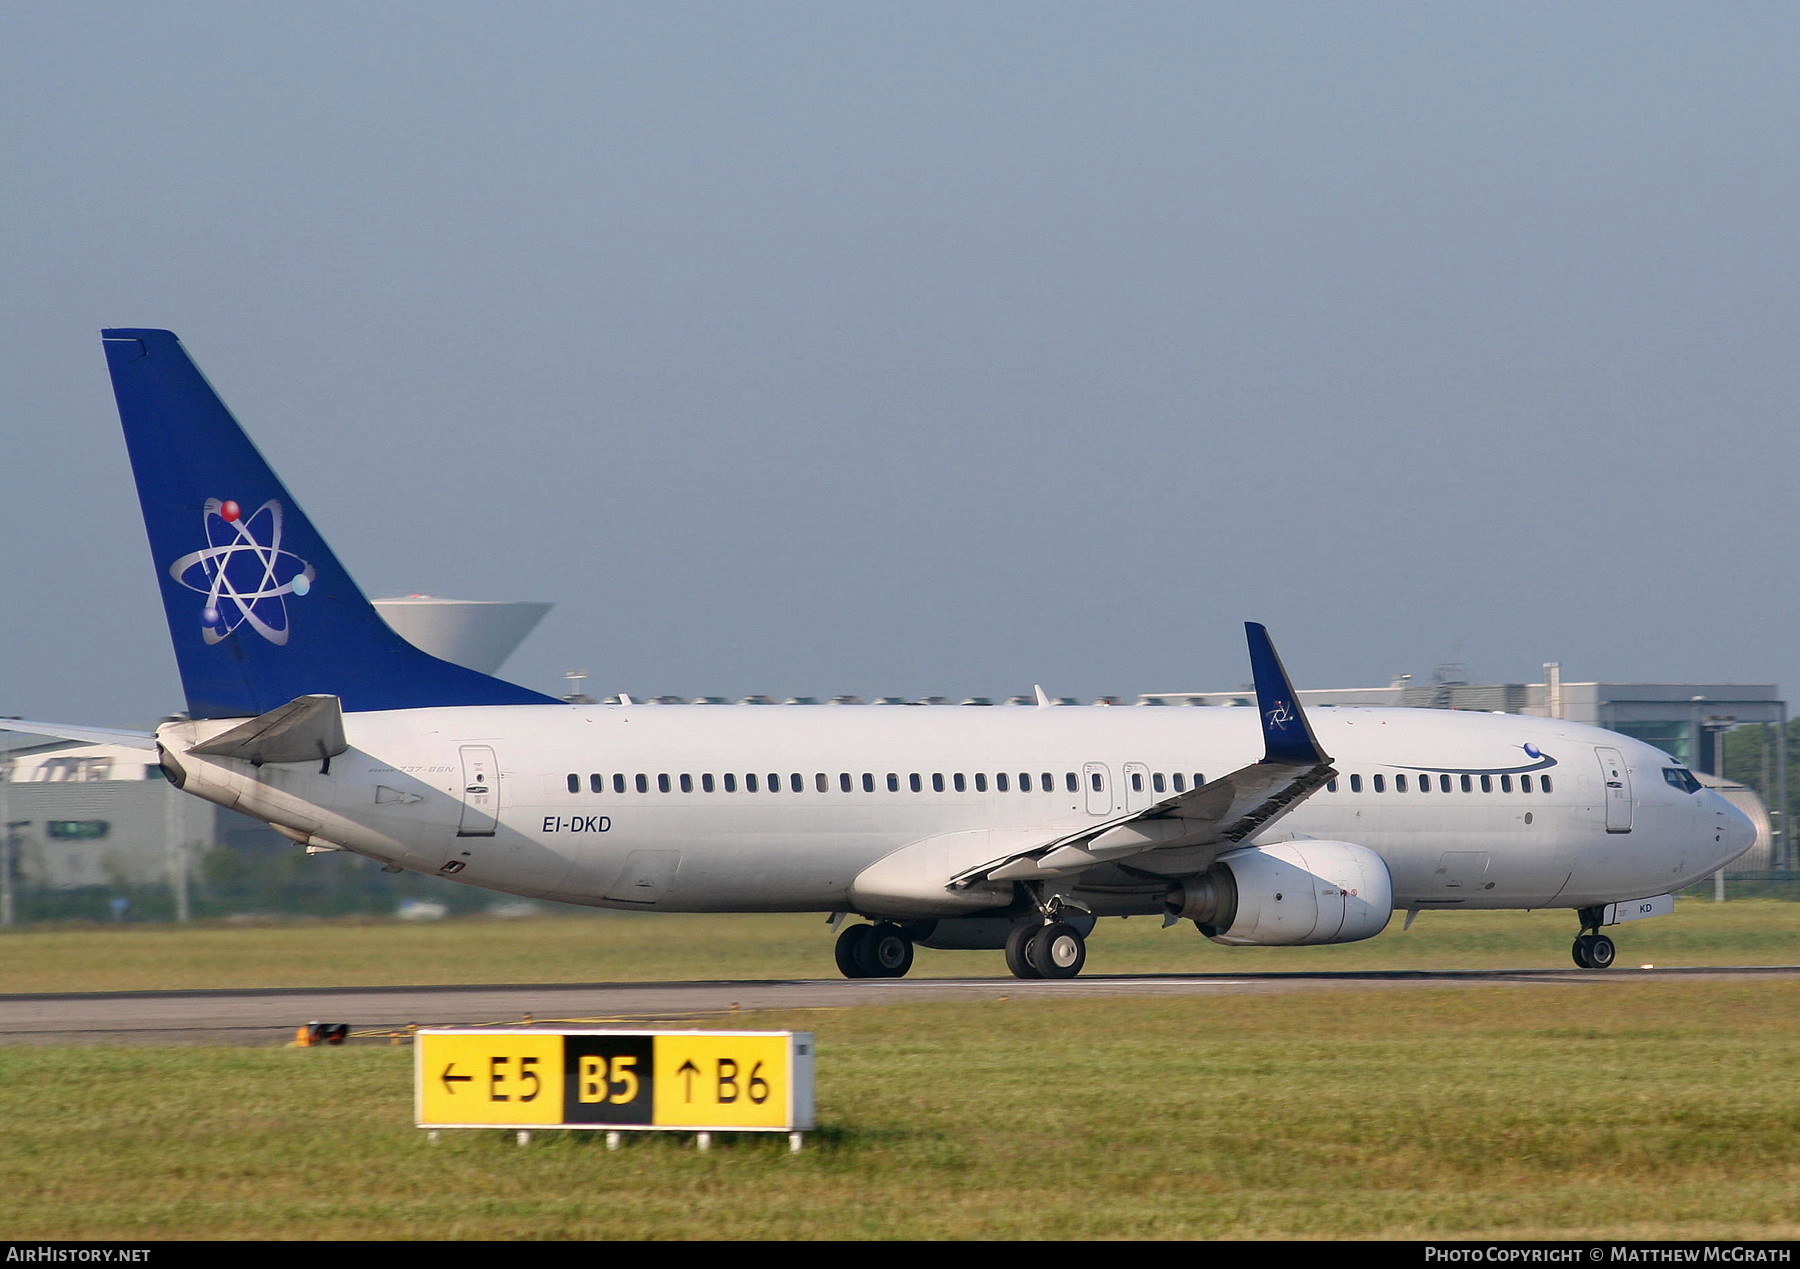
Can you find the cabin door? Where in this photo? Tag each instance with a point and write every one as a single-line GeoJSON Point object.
{"type": "Point", "coordinates": [1618, 790]}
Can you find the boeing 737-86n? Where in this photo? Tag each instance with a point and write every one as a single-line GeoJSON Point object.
{"type": "Point", "coordinates": [1011, 828]}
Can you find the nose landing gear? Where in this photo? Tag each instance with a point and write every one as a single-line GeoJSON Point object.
{"type": "Point", "coordinates": [1593, 950]}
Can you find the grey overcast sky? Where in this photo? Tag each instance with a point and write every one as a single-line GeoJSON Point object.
{"type": "Point", "coordinates": [930, 348]}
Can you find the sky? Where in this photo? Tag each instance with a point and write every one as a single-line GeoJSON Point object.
{"type": "Point", "coordinates": [807, 348]}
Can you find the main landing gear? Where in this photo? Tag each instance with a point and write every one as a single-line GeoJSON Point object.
{"type": "Point", "coordinates": [874, 951]}
{"type": "Point", "coordinates": [1052, 950]}
{"type": "Point", "coordinates": [1592, 950]}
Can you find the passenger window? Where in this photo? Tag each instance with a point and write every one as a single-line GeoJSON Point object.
{"type": "Point", "coordinates": [1094, 778]}
{"type": "Point", "coordinates": [1444, 784]}
{"type": "Point", "coordinates": [1331, 786]}
{"type": "Point", "coordinates": [643, 783]}
{"type": "Point", "coordinates": [774, 782]}
{"type": "Point", "coordinates": [687, 783]}
{"type": "Point", "coordinates": [981, 782]}
{"type": "Point", "coordinates": [662, 783]}
{"type": "Point", "coordinates": [1049, 786]}
{"type": "Point", "coordinates": [845, 782]}
{"type": "Point", "coordinates": [960, 784]}
{"type": "Point", "coordinates": [597, 784]}
{"type": "Point", "coordinates": [1074, 785]}
{"type": "Point", "coordinates": [1157, 782]}
{"type": "Point", "coordinates": [1380, 783]}
{"type": "Point", "coordinates": [1524, 784]}
{"type": "Point", "coordinates": [916, 783]}
{"type": "Point", "coordinates": [1137, 781]}
{"type": "Point", "coordinates": [706, 783]}
{"type": "Point", "coordinates": [1000, 782]}
{"type": "Point", "coordinates": [1399, 784]}
{"type": "Point", "coordinates": [822, 782]}
{"type": "Point", "coordinates": [893, 783]}
{"type": "Point", "coordinates": [1487, 784]}
{"type": "Point", "coordinates": [937, 782]}
{"type": "Point", "coordinates": [1506, 784]}
{"type": "Point", "coordinates": [1024, 782]}
{"type": "Point", "coordinates": [619, 783]}
{"type": "Point", "coordinates": [1356, 784]}
{"type": "Point", "coordinates": [731, 782]}
{"type": "Point", "coordinates": [1544, 784]}
{"type": "Point", "coordinates": [574, 783]}
{"type": "Point", "coordinates": [1180, 782]}
{"type": "Point", "coordinates": [750, 783]}
{"type": "Point", "coordinates": [1199, 779]}
{"type": "Point", "coordinates": [868, 782]}
{"type": "Point", "coordinates": [1468, 784]}
{"type": "Point", "coordinates": [795, 782]}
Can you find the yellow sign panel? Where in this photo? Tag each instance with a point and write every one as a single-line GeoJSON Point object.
{"type": "Point", "coordinates": [494, 1077]}
{"type": "Point", "coordinates": [713, 1080]}
{"type": "Point", "coordinates": [518, 1078]}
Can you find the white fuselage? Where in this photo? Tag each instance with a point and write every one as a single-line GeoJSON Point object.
{"type": "Point", "coordinates": [781, 808]}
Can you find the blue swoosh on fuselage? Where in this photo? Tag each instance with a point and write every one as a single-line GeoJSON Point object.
{"type": "Point", "coordinates": [1540, 765]}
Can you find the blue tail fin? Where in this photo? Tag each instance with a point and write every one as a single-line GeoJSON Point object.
{"type": "Point", "coordinates": [259, 608]}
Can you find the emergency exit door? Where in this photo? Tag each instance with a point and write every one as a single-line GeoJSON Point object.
{"type": "Point", "coordinates": [480, 792]}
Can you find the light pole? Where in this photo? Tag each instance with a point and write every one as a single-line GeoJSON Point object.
{"type": "Point", "coordinates": [6, 869]}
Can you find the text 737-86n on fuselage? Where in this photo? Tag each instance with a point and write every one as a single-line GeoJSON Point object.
{"type": "Point", "coordinates": [954, 828]}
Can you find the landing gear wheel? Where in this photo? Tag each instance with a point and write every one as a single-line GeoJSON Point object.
{"type": "Point", "coordinates": [1018, 945]}
{"type": "Point", "coordinates": [887, 951]}
{"type": "Point", "coordinates": [1600, 952]}
{"type": "Point", "coordinates": [1594, 951]}
{"type": "Point", "coordinates": [1057, 951]}
{"type": "Point", "coordinates": [852, 952]}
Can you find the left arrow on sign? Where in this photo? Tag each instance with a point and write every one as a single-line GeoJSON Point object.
{"type": "Point", "coordinates": [450, 1079]}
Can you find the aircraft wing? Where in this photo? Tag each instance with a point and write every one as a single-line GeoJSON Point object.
{"type": "Point", "coordinates": [92, 735]}
{"type": "Point", "coordinates": [1223, 811]}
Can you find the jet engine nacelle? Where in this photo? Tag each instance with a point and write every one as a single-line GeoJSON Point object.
{"type": "Point", "coordinates": [1288, 894]}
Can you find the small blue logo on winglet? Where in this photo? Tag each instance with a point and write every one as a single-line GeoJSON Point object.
{"type": "Point", "coordinates": [243, 572]}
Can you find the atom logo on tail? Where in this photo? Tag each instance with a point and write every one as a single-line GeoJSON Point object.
{"type": "Point", "coordinates": [243, 572]}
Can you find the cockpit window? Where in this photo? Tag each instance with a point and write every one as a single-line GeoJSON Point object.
{"type": "Point", "coordinates": [1681, 778]}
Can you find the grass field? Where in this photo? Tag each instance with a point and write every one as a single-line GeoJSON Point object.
{"type": "Point", "coordinates": [1646, 1110]}
{"type": "Point", "coordinates": [1618, 1108]}
{"type": "Point", "coordinates": [583, 947]}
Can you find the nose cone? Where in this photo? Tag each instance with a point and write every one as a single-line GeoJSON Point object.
{"type": "Point", "coordinates": [1740, 830]}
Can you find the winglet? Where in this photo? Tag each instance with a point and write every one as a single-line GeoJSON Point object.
{"type": "Point", "coordinates": [1287, 736]}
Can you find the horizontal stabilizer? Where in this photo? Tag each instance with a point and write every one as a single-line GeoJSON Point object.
{"type": "Point", "coordinates": [306, 729]}
{"type": "Point", "coordinates": [91, 735]}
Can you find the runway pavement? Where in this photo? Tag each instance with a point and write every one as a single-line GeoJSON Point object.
{"type": "Point", "coordinates": [269, 1017]}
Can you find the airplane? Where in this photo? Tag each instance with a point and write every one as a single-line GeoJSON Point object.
{"type": "Point", "coordinates": [1012, 830]}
